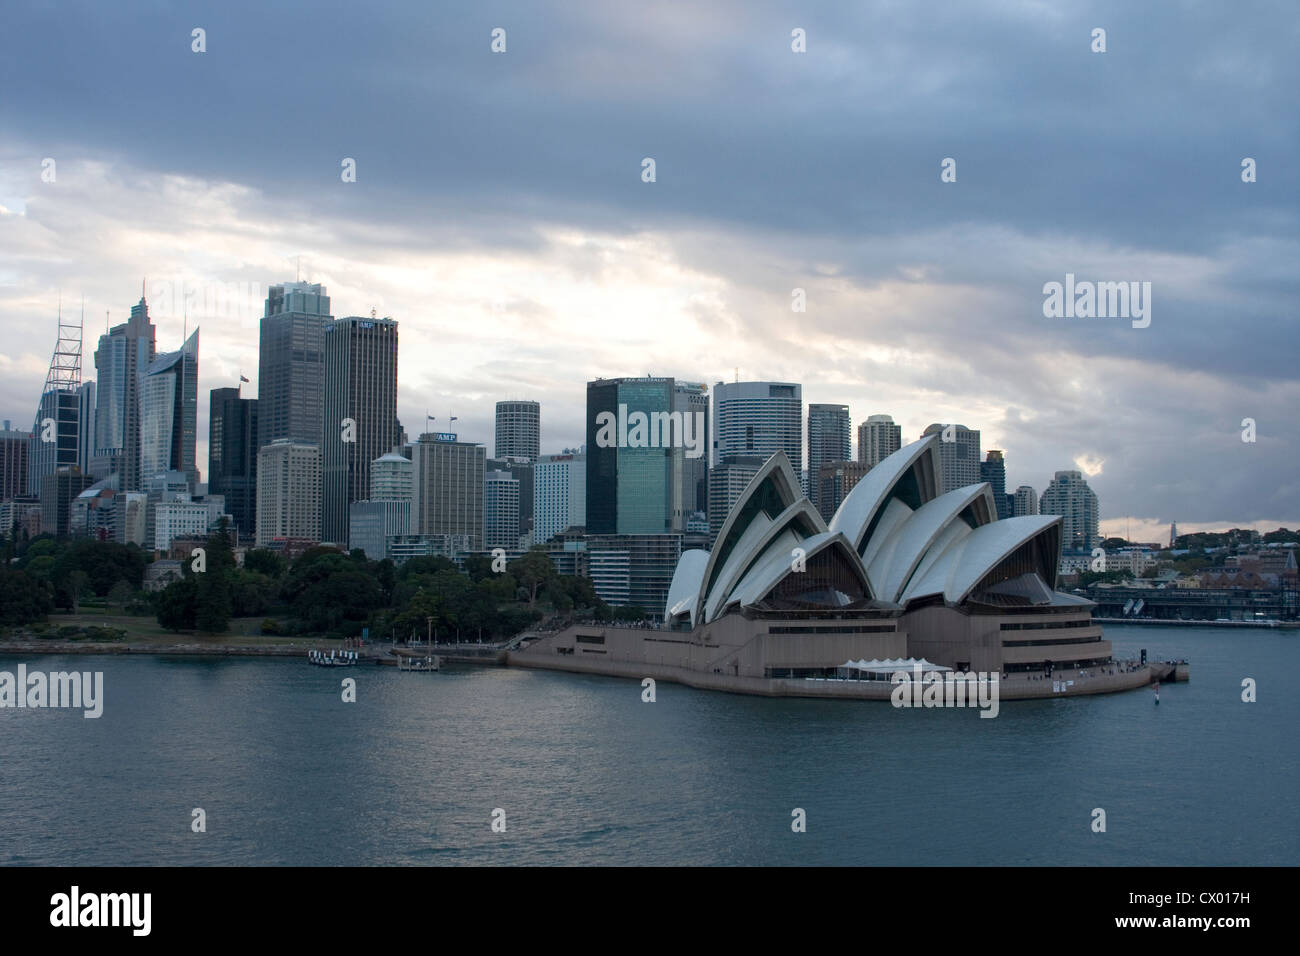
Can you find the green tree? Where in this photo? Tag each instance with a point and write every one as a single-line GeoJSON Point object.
{"type": "Point", "coordinates": [264, 561]}
{"type": "Point", "coordinates": [251, 593]}
{"type": "Point", "coordinates": [76, 585]}
{"type": "Point", "coordinates": [532, 570]}
{"type": "Point", "coordinates": [213, 604]}
{"type": "Point", "coordinates": [41, 567]}
{"type": "Point", "coordinates": [23, 599]}
{"type": "Point", "coordinates": [479, 567]}
{"type": "Point", "coordinates": [121, 595]}
{"type": "Point", "coordinates": [175, 604]}
{"type": "Point", "coordinates": [43, 545]}
{"type": "Point", "coordinates": [424, 564]}
{"type": "Point", "coordinates": [386, 575]}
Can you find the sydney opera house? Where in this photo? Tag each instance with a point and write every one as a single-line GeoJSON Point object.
{"type": "Point", "coordinates": [785, 605]}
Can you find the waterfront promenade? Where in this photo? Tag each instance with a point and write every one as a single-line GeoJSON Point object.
{"type": "Point", "coordinates": [1119, 676]}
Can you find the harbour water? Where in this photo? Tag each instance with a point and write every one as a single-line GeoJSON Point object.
{"type": "Point", "coordinates": [287, 773]}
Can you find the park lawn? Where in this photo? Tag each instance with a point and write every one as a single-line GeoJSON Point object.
{"type": "Point", "coordinates": [242, 632]}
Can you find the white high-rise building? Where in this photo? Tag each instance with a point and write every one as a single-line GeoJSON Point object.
{"type": "Point", "coordinates": [1070, 497]}
{"type": "Point", "coordinates": [392, 478]}
{"type": "Point", "coordinates": [500, 510]}
{"type": "Point", "coordinates": [959, 456]}
{"type": "Point", "coordinates": [878, 438]}
{"type": "Point", "coordinates": [519, 430]}
{"type": "Point", "coordinates": [288, 491]}
{"type": "Point", "coordinates": [374, 523]}
{"type": "Point", "coordinates": [1024, 502]}
{"type": "Point", "coordinates": [180, 519]}
{"type": "Point", "coordinates": [559, 494]}
{"type": "Point", "coordinates": [758, 419]}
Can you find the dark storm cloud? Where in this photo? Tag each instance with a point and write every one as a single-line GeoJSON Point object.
{"type": "Point", "coordinates": [1140, 145]}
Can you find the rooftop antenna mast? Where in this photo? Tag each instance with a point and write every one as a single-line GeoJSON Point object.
{"type": "Point", "coordinates": [64, 374]}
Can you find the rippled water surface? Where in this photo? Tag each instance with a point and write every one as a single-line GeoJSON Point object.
{"type": "Point", "coordinates": [586, 773]}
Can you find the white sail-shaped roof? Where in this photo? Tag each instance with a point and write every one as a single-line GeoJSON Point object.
{"type": "Point", "coordinates": [684, 592]}
{"type": "Point", "coordinates": [773, 489]}
{"type": "Point", "coordinates": [918, 461]}
{"type": "Point", "coordinates": [963, 565]}
{"type": "Point", "coordinates": [908, 543]}
{"type": "Point", "coordinates": [776, 566]}
{"type": "Point", "coordinates": [781, 535]}
{"type": "Point", "coordinates": [894, 539]}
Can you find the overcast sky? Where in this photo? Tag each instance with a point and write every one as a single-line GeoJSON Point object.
{"type": "Point", "coordinates": [499, 212]}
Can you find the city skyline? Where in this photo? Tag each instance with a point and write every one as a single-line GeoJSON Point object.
{"type": "Point", "coordinates": [923, 299]}
{"type": "Point", "coordinates": [1115, 526]}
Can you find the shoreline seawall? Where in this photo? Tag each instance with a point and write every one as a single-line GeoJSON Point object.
{"type": "Point", "coordinates": [1013, 688]}
{"type": "Point", "coordinates": [43, 647]}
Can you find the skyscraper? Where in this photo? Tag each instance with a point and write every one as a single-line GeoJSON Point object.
{"type": "Point", "coordinates": [14, 448]}
{"type": "Point", "coordinates": [835, 479]}
{"type": "Point", "coordinates": [519, 430]}
{"type": "Point", "coordinates": [86, 429]}
{"type": "Point", "coordinates": [692, 398]}
{"type": "Point", "coordinates": [360, 412]}
{"type": "Point", "coordinates": [758, 418]}
{"type": "Point", "coordinates": [1069, 496]}
{"type": "Point", "coordinates": [635, 455]}
{"type": "Point", "coordinates": [392, 478]}
{"type": "Point", "coordinates": [290, 368]}
{"type": "Point", "coordinates": [232, 455]}
{"type": "Point", "coordinates": [727, 480]}
{"type": "Point", "coordinates": [1024, 502]}
{"type": "Point", "coordinates": [522, 471]}
{"type": "Point", "coordinates": [168, 412]}
{"type": "Point", "coordinates": [374, 523]}
{"type": "Point", "coordinates": [878, 438]}
{"type": "Point", "coordinates": [560, 495]}
{"type": "Point", "coordinates": [288, 492]}
{"type": "Point", "coordinates": [993, 469]}
{"type": "Point", "coordinates": [830, 435]}
{"type": "Point", "coordinates": [55, 437]}
{"type": "Point", "coordinates": [59, 490]}
{"type": "Point", "coordinates": [959, 458]}
{"type": "Point", "coordinates": [449, 488]}
{"type": "Point", "coordinates": [123, 357]}
{"type": "Point", "coordinates": [500, 510]}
